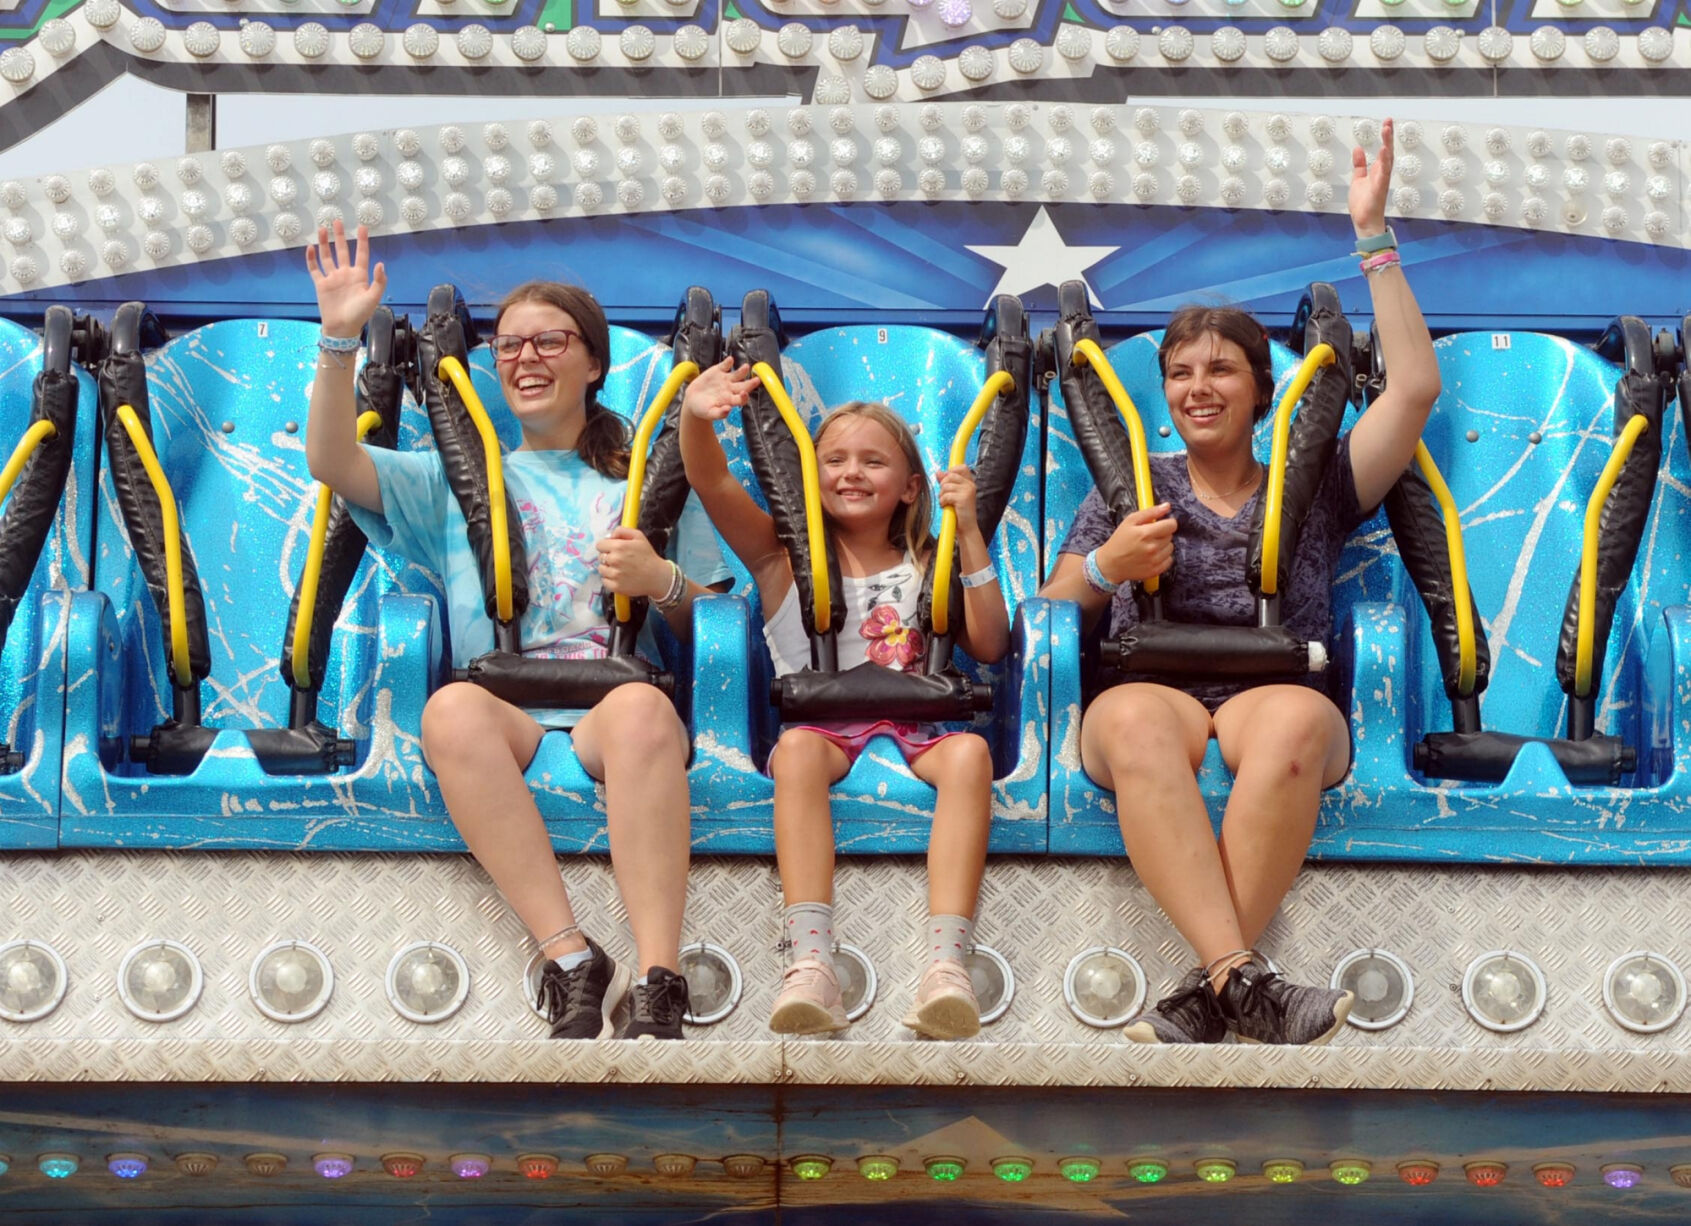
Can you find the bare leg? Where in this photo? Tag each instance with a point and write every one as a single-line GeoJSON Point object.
{"type": "Point", "coordinates": [479, 746]}
{"type": "Point", "coordinates": [1146, 743]}
{"type": "Point", "coordinates": [1283, 743]}
{"type": "Point", "coordinates": [960, 767]}
{"type": "Point", "coordinates": [635, 743]}
{"type": "Point", "coordinates": [803, 766]}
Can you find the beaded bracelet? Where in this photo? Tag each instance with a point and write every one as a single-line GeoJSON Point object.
{"type": "Point", "coordinates": [1095, 577]}
{"type": "Point", "coordinates": [677, 589]}
{"type": "Point", "coordinates": [979, 578]}
{"type": "Point", "coordinates": [1384, 259]}
{"type": "Point", "coordinates": [337, 344]}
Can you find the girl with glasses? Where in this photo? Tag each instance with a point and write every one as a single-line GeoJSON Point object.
{"type": "Point", "coordinates": [566, 481]}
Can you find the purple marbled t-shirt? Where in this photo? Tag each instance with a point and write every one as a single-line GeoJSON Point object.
{"type": "Point", "coordinates": [1206, 584]}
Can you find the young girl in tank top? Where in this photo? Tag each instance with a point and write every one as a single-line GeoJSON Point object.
{"type": "Point", "coordinates": [876, 501]}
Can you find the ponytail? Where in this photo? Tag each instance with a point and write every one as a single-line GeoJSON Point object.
{"type": "Point", "coordinates": [604, 442]}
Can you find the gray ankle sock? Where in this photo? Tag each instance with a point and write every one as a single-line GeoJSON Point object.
{"type": "Point", "coordinates": [948, 937]}
{"type": "Point", "coordinates": [807, 931]}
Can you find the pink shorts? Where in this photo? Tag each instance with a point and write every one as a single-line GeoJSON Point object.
{"type": "Point", "coordinates": [851, 736]}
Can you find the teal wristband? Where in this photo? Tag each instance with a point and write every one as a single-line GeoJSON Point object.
{"type": "Point", "coordinates": [1377, 243]}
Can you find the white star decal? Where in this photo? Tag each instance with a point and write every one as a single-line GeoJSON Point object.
{"type": "Point", "coordinates": [1043, 258]}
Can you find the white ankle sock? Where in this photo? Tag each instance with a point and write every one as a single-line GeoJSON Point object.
{"type": "Point", "coordinates": [807, 931]}
{"type": "Point", "coordinates": [568, 962]}
{"type": "Point", "coordinates": [948, 937]}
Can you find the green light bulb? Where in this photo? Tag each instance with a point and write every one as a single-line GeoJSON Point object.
{"type": "Point", "coordinates": [1012, 1170]}
{"type": "Point", "coordinates": [1079, 1170]}
{"type": "Point", "coordinates": [812, 1166]}
{"type": "Point", "coordinates": [1148, 1170]}
{"type": "Point", "coordinates": [1351, 1171]}
{"type": "Point", "coordinates": [946, 1170]}
{"type": "Point", "coordinates": [877, 1167]}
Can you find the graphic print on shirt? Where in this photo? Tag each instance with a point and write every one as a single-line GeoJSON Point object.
{"type": "Point", "coordinates": [562, 621]}
{"type": "Point", "coordinates": [893, 643]}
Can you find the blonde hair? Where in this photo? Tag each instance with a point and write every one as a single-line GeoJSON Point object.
{"type": "Point", "coordinates": [913, 532]}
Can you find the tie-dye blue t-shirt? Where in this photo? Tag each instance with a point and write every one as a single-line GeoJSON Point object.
{"type": "Point", "coordinates": [566, 507]}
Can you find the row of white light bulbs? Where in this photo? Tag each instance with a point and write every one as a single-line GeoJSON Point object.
{"type": "Point", "coordinates": [426, 982]}
{"type": "Point", "coordinates": [1104, 987]}
{"type": "Point", "coordinates": [794, 41]}
{"type": "Point", "coordinates": [1581, 169]}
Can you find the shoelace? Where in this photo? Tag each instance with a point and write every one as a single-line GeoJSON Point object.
{"type": "Point", "coordinates": [557, 990]}
{"type": "Point", "coordinates": [664, 1002]}
{"type": "Point", "coordinates": [950, 975]}
{"type": "Point", "coordinates": [1187, 998]}
{"type": "Point", "coordinates": [1265, 984]}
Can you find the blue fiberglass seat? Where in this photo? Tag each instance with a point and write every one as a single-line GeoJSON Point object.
{"type": "Point", "coordinates": [1522, 433]}
{"type": "Point", "coordinates": [226, 406]}
{"type": "Point", "coordinates": [1083, 815]}
{"type": "Point", "coordinates": [46, 540]}
{"type": "Point", "coordinates": [880, 807]}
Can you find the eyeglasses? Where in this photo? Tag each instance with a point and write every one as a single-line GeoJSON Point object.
{"type": "Point", "coordinates": [553, 343]}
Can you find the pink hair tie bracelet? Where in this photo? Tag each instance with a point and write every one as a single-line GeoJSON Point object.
{"type": "Point", "coordinates": [1384, 259]}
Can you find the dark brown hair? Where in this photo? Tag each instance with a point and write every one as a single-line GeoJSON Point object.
{"type": "Point", "coordinates": [604, 440]}
{"type": "Point", "coordinates": [1190, 323]}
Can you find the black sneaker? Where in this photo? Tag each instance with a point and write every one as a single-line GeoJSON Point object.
{"type": "Point", "coordinates": [658, 1006]}
{"type": "Point", "coordinates": [1261, 1007]}
{"type": "Point", "coordinates": [1190, 1014]}
{"type": "Point", "coordinates": [579, 1002]}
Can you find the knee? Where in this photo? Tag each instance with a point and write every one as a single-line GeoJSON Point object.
{"type": "Point", "coordinates": [800, 757]}
{"type": "Point", "coordinates": [1296, 736]}
{"type": "Point", "coordinates": [456, 719]}
{"type": "Point", "coordinates": [965, 761]}
{"type": "Point", "coordinates": [1135, 733]}
{"type": "Point", "coordinates": [644, 726]}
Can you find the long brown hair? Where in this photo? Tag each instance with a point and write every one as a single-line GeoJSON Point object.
{"type": "Point", "coordinates": [604, 441]}
{"type": "Point", "coordinates": [1230, 324]}
{"type": "Point", "coordinates": [913, 531]}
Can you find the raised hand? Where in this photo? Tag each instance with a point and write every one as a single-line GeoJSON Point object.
{"type": "Point", "coordinates": [1141, 546]}
{"type": "Point", "coordinates": [348, 292]}
{"type": "Point", "coordinates": [719, 390]}
{"type": "Point", "coordinates": [1369, 185]}
{"type": "Point", "coordinates": [628, 565]}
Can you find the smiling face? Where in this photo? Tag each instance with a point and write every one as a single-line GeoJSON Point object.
{"type": "Point", "coordinates": [867, 480]}
{"type": "Point", "coordinates": [1212, 393]}
{"type": "Point", "coordinates": [548, 395]}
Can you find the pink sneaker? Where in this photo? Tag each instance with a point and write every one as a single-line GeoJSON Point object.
{"type": "Point", "coordinates": [809, 1002]}
{"type": "Point", "coordinates": [945, 1005]}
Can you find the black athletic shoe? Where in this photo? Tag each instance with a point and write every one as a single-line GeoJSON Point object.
{"type": "Point", "coordinates": [1261, 1007]}
{"type": "Point", "coordinates": [579, 1002]}
{"type": "Point", "coordinates": [658, 1006]}
{"type": "Point", "coordinates": [1190, 1014]}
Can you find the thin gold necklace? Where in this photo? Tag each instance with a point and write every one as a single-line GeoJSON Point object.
{"type": "Point", "coordinates": [1256, 469]}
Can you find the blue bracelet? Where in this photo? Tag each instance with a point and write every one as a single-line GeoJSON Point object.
{"type": "Point", "coordinates": [338, 344]}
{"type": "Point", "coordinates": [979, 578]}
{"type": "Point", "coordinates": [1095, 577]}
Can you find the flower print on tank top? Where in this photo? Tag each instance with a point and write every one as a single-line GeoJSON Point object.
{"type": "Point", "coordinates": [890, 602]}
